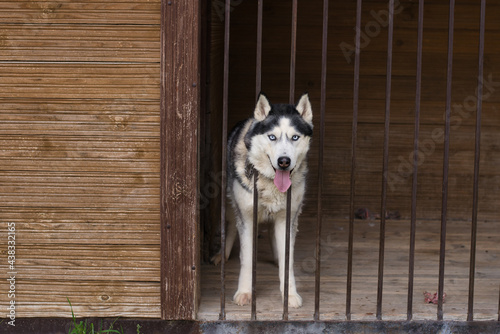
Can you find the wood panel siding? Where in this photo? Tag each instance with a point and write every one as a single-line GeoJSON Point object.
{"type": "Point", "coordinates": [180, 103]}
{"type": "Point", "coordinates": [80, 156]}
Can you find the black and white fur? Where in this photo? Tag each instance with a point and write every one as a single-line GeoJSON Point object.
{"type": "Point", "coordinates": [275, 142]}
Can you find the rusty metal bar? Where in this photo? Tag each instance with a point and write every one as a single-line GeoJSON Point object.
{"type": "Point", "coordinates": [413, 220]}
{"type": "Point", "coordinates": [254, 243]}
{"type": "Point", "coordinates": [446, 159]}
{"type": "Point", "coordinates": [258, 85]}
{"type": "Point", "coordinates": [289, 192]}
{"type": "Point", "coordinates": [385, 165]}
{"type": "Point", "coordinates": [472, 268]}
{"type": "Point", "coordinates": [353, 159]}
{"type": "Point", "coordinates": [287, 252]}
{"type": "Point", "coordinates": [324, 60]}
{"type": "Point", "coordinates": [293, 52]}
{"type": "Point", "coordinates": [258, 64]}
{"type": "Point", "coordinates": [222, 315]}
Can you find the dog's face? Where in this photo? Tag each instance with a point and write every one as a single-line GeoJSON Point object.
{"type": "Point", "coordinates": [279, 141]}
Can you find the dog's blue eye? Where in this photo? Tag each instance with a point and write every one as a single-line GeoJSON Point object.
{"type": "Point", "coordinates": [295, 138]}
{"type": "Point", "coordinates": [272, 137]}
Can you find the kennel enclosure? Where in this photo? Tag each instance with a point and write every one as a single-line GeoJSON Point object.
{"type": "Point", "coordinates": [111, 144]}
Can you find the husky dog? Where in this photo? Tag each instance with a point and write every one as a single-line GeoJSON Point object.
{"type": "Point", "coordinates": [275, 142]}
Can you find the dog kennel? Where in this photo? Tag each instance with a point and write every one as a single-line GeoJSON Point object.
{"type": "Point", "coordinates": [111, 129]}
{"type": "Point", "coordinates": [399, 201]}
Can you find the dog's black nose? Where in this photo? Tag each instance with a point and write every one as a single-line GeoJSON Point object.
{"type": "Point", "coordinates": [284, 162]}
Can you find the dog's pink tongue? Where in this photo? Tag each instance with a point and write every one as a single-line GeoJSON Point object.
{"type": "Point", "coordinates": [282, 180]}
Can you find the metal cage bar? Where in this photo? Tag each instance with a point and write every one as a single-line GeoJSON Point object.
{"type": "Point", "coordinates": [293, 52]}
{"type": "Point", "coordinates": [287, 252]}
{"type": "Point", "coordinates": [413, 219]}
{"type": "Point", "coordinates": [258, 85]}
{"type": "Point", "coordinates": [385, 165]}
{"type": "Point", "coordinates": [320, 179]}
{"type": "Point", "coordinates": [446, 161]}
{"type": "Point", "coordinates": [353, 159]}
{"type": "Point", "coordinates": [289, 192]}
{"type": "Point", "coordinates": [225, 96]}
{"type": "Point", "coordinates": [477, 150]}
{"type": "Point", "coordinates": [258, 62]}
{"type": "Point", "coordinates": [255, 228]}
{"type": "Point", "coordinates": [324, 53]}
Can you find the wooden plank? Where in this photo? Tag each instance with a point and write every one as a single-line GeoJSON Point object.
{"type": "Point", "coordinates": [98, 43]}
{"type": "Point", "coordinates": [180, 103]}
{"type": "Point", "coordinates": [82, 263]}
{"type": "Point", "coordinates": [63, 233]}
{"type": "Point", "coordinates": [85, 81]}
{"type": "Point", "coordinates": [114, 226]}
{"type": "Point", "coordinates": [145, 12]}
{"type": "Point", "coordinates": [107, 298]}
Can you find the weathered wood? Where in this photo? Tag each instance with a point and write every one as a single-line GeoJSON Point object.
{"type": "Point", "coordinates": [75, 262]}
{"type": "Point", "coordinates": [180, 103]}
{"type": "Point", "coordinates": [365, 265]}
{"type": "Point", "coordinates": [103, 298]}
{"type": "Point", "coordinates": [102, 43]}
{"type": "Point", "coordinates": [143, 12]}
{"type": "Point", "coordinates": [80, 156]}
{"type": "Point", "coordinates": [85, 81]}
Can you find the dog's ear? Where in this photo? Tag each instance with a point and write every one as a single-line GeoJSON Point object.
{"type": "Point", "coordinates": [304, 108]}
{"type": "Point", "coordinates": [262, 108]}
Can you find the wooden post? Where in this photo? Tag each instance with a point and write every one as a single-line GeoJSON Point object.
{"type": "Point", "coordinates": [180, 101]}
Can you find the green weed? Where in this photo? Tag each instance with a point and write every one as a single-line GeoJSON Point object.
{"type": "Point", "coordinates": [84, 327]}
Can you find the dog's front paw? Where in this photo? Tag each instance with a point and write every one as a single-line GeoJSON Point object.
{"type": "Point", "coordinates": [242, 298]}
{"type": "Point", "coordinates": [216, 259]}
{"type": "Point", "coordinates": [294, 300]}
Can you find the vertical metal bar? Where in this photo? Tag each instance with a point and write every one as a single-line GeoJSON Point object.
{"type": "Point", "coordinates": [289, 192]}
{"type": "Point", "coordinates": [320, 160]}
{"type": "Point", "coordinates": [442, 251]}
{"type": "Point", "coordinates": [258, 84]}
{"type": "Point", "coordinates": [385, 165]}
{"type": "Point", "coordinates": [413, 221]}
{"type": "Point", "coordinates": [222, 315]}
{"type": "Point", "coordinates": [293, 52]}
{"type": "Point", "coordinates": [353, 159]}
{"type": "Point", "coordinates": [254, 243]}
{"type": "Point", "coordinates": [472, 268]}
{"type": "Point", "coordinates": [287, 252]}
{"type": "Point", "coordinates": [258, 74]}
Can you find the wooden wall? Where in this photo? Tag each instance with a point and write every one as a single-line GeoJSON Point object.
{"type": "Point", "coordinates": [80, 156]}
{"type": "Point", "coordinates": [276, 57]}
